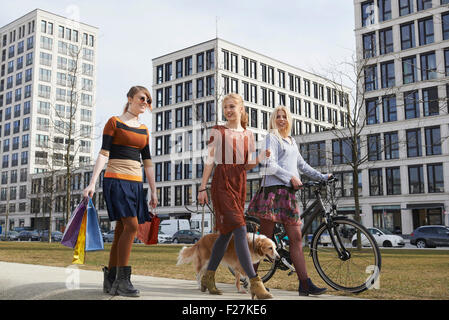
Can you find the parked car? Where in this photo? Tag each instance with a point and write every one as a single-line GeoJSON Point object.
{"type": "Point", "coordinates": [384, 238]}
{"type": "Point", "coordinates": [12, 236]}
{"type": "Point", "coordinates": [108, 236]}
{"type": "Point", "coordinates": [430, 236]}
{"type": "Point", "coordinates": [186, 236]}
{"type": "Point", "coordinates": [325, 239]}
{"type": "Point", "coordinates": [27, 235]}
{"type": "Point", "coordinates": [163, 237]}
{"type": "Point", "coordinates": [55, 235]}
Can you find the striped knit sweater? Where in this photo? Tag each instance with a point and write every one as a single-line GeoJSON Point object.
{"type": "Point", "coordinates": [125, 146]}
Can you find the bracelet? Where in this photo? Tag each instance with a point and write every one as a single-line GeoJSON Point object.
{"type": "Point", "coordinates": [202, 190]}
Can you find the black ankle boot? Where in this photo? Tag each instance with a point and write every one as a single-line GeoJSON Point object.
{"type": "Point", "coordinates": [109, 276]}
{"type": "Point", "coordinates": [310, 289]}
{"type": "Point", "coordinates": [122, 285]}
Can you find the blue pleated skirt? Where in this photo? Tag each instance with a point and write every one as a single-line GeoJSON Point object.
{"type": "Point", "coordinates": [125, 199]}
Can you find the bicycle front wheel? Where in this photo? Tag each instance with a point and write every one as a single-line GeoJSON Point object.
{"type": "Point", "coordinates": [342, 265]}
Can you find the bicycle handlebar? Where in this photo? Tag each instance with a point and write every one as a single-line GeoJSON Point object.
{"type": "Point", "coordinates": [310, 184]}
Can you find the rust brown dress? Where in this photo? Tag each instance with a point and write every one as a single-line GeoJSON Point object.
{"type": "Point", "coordinates": [228, 189]}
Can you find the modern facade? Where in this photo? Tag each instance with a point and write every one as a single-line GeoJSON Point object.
{"type": "Point", "coordinates": [403, 47]}
{"type": "Point", "coordinates": [48, 76]}
{"type": "Point", "coordinates": [188, 88]}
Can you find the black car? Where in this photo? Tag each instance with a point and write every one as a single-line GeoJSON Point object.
{"type": "Point", "coordinates": [430, 236]}
{"type": "Point", "coordinates": [28, 236]}
{"type": "Point", "coordinates": [186, 236]}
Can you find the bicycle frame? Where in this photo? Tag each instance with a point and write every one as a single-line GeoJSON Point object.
{"type": "Point", "coordinates": [313, 211]}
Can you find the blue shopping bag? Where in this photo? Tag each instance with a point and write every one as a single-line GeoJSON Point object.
{"type": "Point", "coordinates": [94, 238]}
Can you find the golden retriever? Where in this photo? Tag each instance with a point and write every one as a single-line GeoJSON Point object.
{"type": "Point", "coordinates": [259, 246]}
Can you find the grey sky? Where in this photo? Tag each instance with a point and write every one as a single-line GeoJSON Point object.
{"type": "Point", "coordinates": [311, 35]}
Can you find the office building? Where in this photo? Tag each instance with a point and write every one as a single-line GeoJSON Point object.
{"type": "Point", "coordinates": [47, 77]}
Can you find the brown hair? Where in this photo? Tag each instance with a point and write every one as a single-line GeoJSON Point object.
{"type": "Point", "coordinates": [238, 98]}
{"type": "Point", "coordinates": [133, 91]}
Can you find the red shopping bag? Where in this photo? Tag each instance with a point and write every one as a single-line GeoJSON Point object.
{"type": "Point", "coordinates": [147, 232]}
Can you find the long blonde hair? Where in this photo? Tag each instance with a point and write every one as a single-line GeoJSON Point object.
{"type": "Point", "coordinates": [273, 129]}
{"type": "Point", "coordinates": [239, 100]}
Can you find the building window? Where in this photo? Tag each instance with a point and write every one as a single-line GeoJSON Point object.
{"type": "Point", "coordinates": [428, 66]}
{"type": "Point", "coordinates": [446, 62]}
{"type": "Point", "coordinates": [393, 180]}
{"type": "Point", "coordinates": [411, 104]}
{"type": "Point", "coordinates": [178, 195]}
{"type": "Point", "coordinates": [178, 118]}
{"type": "Point", "coordinates": [159, 74]}
{"type": "Point", "coordinates": [210, 111]}
{"type": "Point", "coordinates": [409, 74]}
{"type": "Point", "coordinates": [391, 145]}
{"type": "Point", "coordinates": [374, 147]}
{"type": "Point", "coordinates": [210, 86]}
{"type": "Point", "coordinates": [200, 62]}
{"type": "Point", "coordinates": [188, 115]}
{"type": "Point", "coordinates": [424, 4]}
{"type": "Point", "coordinates": [415, 179]}
{"type": "Point", "coordinates": [405, 7]}
{"type": "Point", "coordinates": [386, 41]}
{"type": "Point", "coordinates": [413, 142]}
{"type": "Point", "coordinates": [200, 87]}
{"type": "Point", "coordinates": [168, 71]}
{"type": "Point", "coordinates": [188, 95]}
{"type": "Point", "coordinates": [159, 146]}
{"type": "Point", "coordinates": [425, 31]}
{"type": "Point", "coordinates": [371, 78]}
{"type": "Point", "coordinates": [179, 68]}
{"type": "Point", "coordinates": [167, 144]}
{"type": "Point", "coordinates": [179, 92]}
{"type": "Point", "coordinates": [430, 101]}
{"type": "Point", "coordinates": [159, 98]}
{"type": "Point", "coordinates": [210, 59]}
{"type": "Point", "coordinates": [167, 171]}
{"type": "Point", "coordinates": [384, 10]}
{"type": "Point", "coordinates": [369, 45]}
{"type": "Point", "coordinates": [433, 141]}
{"type": "Point", "coordinates": [445, 25]}
{"type": "Point", "coordinates": [372, 111]}
{"type": "Point", "coordinates": [435, 178]}
{"type": "Point", "coordinates": [167, 197]}
{"type": "Point", "coordinates": [387, 74]}
{"type": "Point", "coordinates": [375, 182]}
{"type": "Point", "coordinates": [168, 93]}
{"type": "Point", "coordinates": [367, 13]}
{"type": "Point", "coordinates": [188, 66]}
{"type": "Point", "coordinates": [342, 150]}
{"type": "Point", "coordinates": [187, 195]}
{"type": "Point", "coordinates": [158, 173]}
{"type": "Point", "coordinates": [389, 108]}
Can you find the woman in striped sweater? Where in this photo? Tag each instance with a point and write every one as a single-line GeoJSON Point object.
{"type": "Point", "coordinates": [125, 146]}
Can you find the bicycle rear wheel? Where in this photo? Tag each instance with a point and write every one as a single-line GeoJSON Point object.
{"type": "Point", "coordinates": [341, 265]}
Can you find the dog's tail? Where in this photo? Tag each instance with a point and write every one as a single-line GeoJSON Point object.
{"type": "Point", "coordinates": [186, 255]}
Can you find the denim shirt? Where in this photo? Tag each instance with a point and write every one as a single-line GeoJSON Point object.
{"type": "Point", "coordinates": [284, 162]}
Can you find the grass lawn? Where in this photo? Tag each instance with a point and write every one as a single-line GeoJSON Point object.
{"type": "Point", "coordinates": [406, 274]}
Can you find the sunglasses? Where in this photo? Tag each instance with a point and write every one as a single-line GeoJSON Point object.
{"type": "Point", "coordinates": [142, 99]}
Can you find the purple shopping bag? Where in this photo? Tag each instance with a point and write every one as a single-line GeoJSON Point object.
{"type": "Point", "coordinates": [72, 229]}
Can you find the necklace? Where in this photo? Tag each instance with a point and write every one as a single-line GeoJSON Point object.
{"type": "Point", "coordinates": [135, 115]}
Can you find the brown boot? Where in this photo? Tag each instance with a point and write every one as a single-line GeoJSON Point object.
{"type": "Point", "coordinates": [258, 289]}
{"type": "Point", "coordinates": [208, 282]}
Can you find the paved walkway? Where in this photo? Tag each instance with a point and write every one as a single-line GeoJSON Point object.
{"type": "Point", "coordinates": [36, 282]}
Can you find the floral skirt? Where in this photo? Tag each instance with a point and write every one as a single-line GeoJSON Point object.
{"type": "Point", "coordinates": [277, 204]}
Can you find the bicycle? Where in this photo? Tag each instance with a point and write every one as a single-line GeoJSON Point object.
{"type": "Point", "coordinates": [340, 264]}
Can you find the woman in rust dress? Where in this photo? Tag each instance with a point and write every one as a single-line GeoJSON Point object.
{"type": "Point", "coordinates": [230, 147]}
